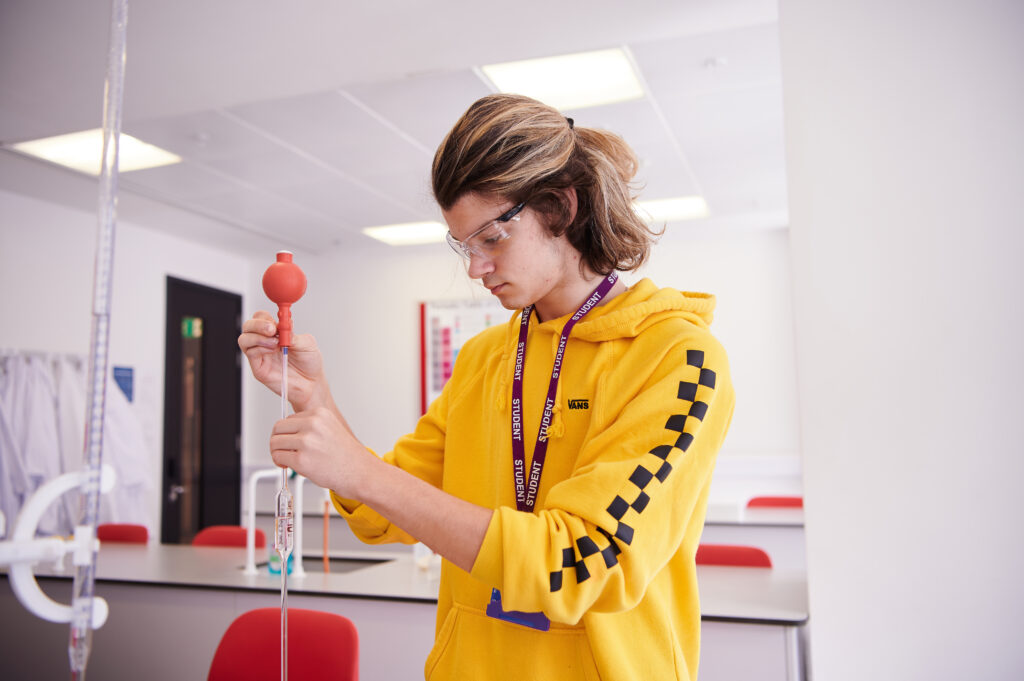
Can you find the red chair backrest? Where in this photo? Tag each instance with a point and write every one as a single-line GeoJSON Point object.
{"type": "Point", "coordinates": [321, 645]}
{"type": "Point", "coordinates": [776, 502]}
{"type": "Point", "coordinates": [731, 554]}
{"type": "Point", "coordinates": [122, 532]}
{"type": "Point", "coordinates": [227, 535]}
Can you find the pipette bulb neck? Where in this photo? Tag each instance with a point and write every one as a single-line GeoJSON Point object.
{"type": "Point", "coordinates": [284, 283]}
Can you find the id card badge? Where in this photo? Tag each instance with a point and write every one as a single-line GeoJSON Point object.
{"type": "Point", "coordinates": [533, 620]}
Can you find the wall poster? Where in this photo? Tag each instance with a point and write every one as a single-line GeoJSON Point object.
{"type": "Point", "coordinates": [445, 326]}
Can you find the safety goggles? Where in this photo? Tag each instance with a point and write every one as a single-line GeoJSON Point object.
{"type": "Point", "coordinates": [488, 239]}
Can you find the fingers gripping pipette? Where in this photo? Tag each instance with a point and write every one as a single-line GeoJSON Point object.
{"type": "Point", "coordinates": [284, 283]}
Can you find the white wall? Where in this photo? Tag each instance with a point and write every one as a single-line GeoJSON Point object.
{"type": "Point", "coordinates": [906, 166]}
{"type": "Point", "coordinates": [46, 270]}
{"type": "Point", "coordinates": [748, 270]}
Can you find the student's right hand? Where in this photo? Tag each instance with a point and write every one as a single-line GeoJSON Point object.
{"type": "Point", "coordinates": [307, 386]}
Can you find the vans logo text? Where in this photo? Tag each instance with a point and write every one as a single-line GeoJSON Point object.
{"type": "Point", "coordinates": [579, 404]}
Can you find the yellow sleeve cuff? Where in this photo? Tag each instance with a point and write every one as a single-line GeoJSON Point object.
{"type": "Point", "coordinates": [489, 565]}
{"type": "Point", "coordinates": [365, 523]}
{"type": "Point", "coordinates": [345, 507]}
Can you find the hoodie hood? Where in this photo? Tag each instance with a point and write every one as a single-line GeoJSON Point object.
{"type": "Point", "coordinates": [638, 307]}
{"type": "Point", "coordinates": [624, 316]}
{"type": "Point", "coordinates": [630, 313]}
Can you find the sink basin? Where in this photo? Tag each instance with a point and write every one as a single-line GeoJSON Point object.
{"type": "Point", "coordinates": [337, 565]}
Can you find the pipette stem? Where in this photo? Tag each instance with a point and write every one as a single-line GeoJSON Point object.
{"type": "Point", "coordinates": [327, 510]}
{"type": "Point", "coordinates": [284, 525]}
{"type": "Point", "coordinates": [284, 619]}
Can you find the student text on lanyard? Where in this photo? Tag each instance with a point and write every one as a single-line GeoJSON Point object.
{"type": "Point", "coordinates": [526, 490]}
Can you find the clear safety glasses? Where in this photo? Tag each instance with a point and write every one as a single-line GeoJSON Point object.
{"type": "Point", "coordinates": [486, 240]}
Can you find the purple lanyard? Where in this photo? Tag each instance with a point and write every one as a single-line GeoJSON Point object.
{"type": "Point", "coordinates": [526, 494]}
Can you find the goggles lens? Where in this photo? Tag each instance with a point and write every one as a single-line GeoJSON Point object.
{"type": "Point", "coordinates": [488, 239]}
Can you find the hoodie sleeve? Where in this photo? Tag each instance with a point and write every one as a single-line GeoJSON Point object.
{"type": "Point", "coordinates": [636, 496]}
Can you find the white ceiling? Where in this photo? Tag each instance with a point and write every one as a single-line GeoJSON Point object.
{"type": "Point", "coordinates": [302, 122]}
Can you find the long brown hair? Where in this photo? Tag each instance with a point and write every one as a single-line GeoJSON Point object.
{"type": "Point", "coordinates": [524, 150]}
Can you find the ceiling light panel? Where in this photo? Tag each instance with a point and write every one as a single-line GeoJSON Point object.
{"type": "Point", "coordinates": [673, 210]}
{"type": "Point", "coordinates": [408, 234]}
{"type": "Point", "coordinates": [571, 81]}
{"type": "Point", "coordinates": [83, 151]}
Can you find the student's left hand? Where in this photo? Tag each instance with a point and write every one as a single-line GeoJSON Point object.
{"type": "Point", "coordinates": [319, 445]}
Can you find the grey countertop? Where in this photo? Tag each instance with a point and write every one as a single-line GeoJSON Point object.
{"type": "Point", "coordinates": [755, 595]}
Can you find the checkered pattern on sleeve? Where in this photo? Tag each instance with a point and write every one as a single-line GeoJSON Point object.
{"type": "Point", "coordinates": [693, 395]}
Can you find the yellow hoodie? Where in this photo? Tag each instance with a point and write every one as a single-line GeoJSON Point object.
{"type": "Point", "coordinates": [643, 405]}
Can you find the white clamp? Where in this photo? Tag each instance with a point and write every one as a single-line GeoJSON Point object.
{"type": "Point", "coordinates": [24, 549]}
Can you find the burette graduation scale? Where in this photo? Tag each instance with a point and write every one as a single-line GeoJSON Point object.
{"type": "Point", "coordinates": [284, 283]}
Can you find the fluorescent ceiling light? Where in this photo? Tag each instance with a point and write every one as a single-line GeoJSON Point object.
{"type": "Point", "coordinates": [673, 210]}
{"type": "Point", "coordinates": [408, 234]}
{"type": "Point", "coordinates": [83, 151]}
{"type": "Point", "coordinates": [571, 81]}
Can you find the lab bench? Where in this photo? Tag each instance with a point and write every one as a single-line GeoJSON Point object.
{"type": "Point", "coordinates": [170, 604]}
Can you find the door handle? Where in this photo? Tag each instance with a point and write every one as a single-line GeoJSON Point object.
{"type": "Point", "coordinates": [176, 491]}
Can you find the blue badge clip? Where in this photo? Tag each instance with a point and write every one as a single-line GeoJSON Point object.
{"type": "Point", "coordinates": [533, 620]}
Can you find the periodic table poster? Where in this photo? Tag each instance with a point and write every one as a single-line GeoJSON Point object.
{"type": "Point", "coordinates": [444, 327]}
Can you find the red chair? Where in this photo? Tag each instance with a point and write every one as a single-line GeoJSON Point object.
{"type": "Point", "coordinates": [122, 532]}
{"type": "Point", "coordinates": [776, 502]}
{"type": "Point", "coordinates": [732, 555]}
{"type": "Point", "coordinates": [227, 535]}
{"type": "Point", "coordinates": [321, 645]}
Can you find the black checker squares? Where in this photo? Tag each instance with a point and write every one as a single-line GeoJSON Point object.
{"type": "Point", "coordinates": [683, 425]}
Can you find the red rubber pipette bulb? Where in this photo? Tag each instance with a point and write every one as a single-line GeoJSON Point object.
{"type": "Point", "coordinates": [284, 283]}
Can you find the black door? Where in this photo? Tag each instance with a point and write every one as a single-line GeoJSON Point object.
{"type": "Point", "coordinates": [202, 411]}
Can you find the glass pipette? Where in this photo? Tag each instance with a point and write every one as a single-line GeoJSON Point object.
{"type": "Point", "coordinates": [284, 283]}
{"type": "Point", "coordinates": [284, 518]}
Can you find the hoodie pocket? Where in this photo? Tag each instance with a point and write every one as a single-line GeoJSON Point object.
{"type": "Point", "coordinates": [471, 645]}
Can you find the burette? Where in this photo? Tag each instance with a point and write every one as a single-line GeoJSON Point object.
{"type": "Point", "coordinates": [82, 621]}
{"type": "Point", "coordinates": [284, 283]}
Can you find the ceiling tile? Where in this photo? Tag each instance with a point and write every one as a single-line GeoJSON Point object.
{"type": "Point", "coordinates": [636, 121]}
{"type": "Point", "coordinates": [711, 62]}
{"type": "Point", "coordinates": [203, 136]}
{"type": "Point", "coordinates": [275, 170]}
{"type": "Point", "coordinates": [726, 121]}
{"type": "Point", "coordinates": [250, 206]}
{"type": "Point", "coordinates": [663, 170]}
{"type": "Point", "coordinates": [333, 129]}
{"type": "Point", "coordinates": [349, 205]}
{"type": "Point", "coordinates": [662, 174]}
{"type": "Point", "coordinates": [334, 134]}
{"type": "Point", "coordinates": [734, 145]}
{"type": "Point", "coordinates": [179, 181]}
{"type": "Point", "coordinates": [425, 106]}
{"type": "Point", "coordinates": [412, 183]}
